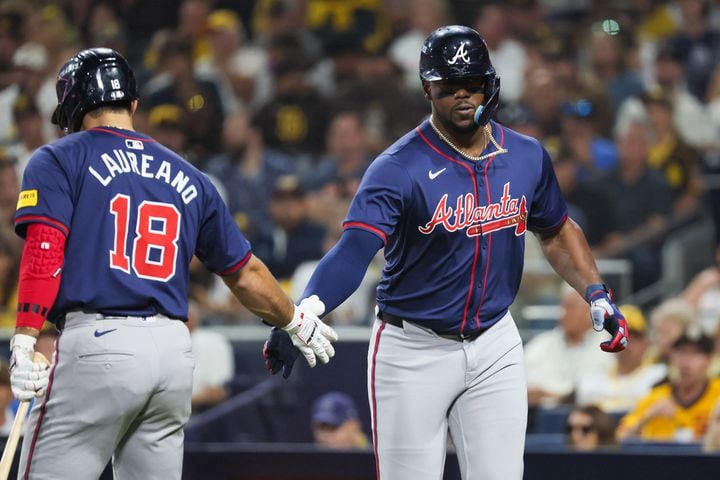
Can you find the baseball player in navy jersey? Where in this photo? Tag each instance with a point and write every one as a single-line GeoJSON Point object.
{"type": "Point", "coordinates": [111, 221]}
{"type": "Point", "coordinates": [451, 203]}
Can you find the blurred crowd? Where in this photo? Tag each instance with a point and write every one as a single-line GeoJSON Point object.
{"type": "Point", "coordinates": [284, 103]}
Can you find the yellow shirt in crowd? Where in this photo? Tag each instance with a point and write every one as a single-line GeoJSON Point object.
{"type": "Point", "coordinates": [689, 422]}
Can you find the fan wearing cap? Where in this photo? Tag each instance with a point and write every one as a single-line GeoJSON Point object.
{"type": "Point", "coordinates": [623, 386]}
{"type": "Point", "coordinates": [335, 422]}
{"type": "Point", "coordinates": [679, 409]}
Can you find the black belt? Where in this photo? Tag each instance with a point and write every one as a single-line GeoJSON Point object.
{"type": "Point", "coordinates": [395, 321]}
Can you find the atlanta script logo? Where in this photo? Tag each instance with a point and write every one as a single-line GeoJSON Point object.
{"type": "Point", "coordinates": [479, 219]}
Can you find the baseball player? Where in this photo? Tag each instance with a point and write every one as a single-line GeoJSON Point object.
{"type": "Point", "coordinates": [451, 203]}
{"type": "Point", "coordinates": [111, 221]}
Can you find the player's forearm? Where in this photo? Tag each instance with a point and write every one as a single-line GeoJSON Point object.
{"type": "Point", "coordinates": [569, 254]}
{"type": "Point", "coordinates": [259, 292]}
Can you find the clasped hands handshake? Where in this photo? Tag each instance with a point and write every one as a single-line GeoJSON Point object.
{"type": "Point", "coordinates": [305, 334]}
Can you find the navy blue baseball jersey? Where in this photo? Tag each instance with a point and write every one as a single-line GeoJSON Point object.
{"type": "Point", "coordinates": [454, 229]}
{"type": "Point", "coordinates": [134, 213]}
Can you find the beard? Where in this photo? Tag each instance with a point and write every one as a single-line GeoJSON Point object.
{"type": "Point", "coordinates": [458, 129]}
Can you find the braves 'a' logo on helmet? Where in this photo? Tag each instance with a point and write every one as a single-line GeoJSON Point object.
{"type": "Point", "coordinates": [460, 54]}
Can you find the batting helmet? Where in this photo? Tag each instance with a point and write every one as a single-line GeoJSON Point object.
{"type": "Point", "coordinates": [91, 79]}
{"type": "Point", "coordinates": [456, 51]}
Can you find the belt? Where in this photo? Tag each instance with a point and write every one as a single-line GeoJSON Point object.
{"type": "Point", "coordinates": [60, 322]}
{"type": "Point", "coordinates": [395, 321]}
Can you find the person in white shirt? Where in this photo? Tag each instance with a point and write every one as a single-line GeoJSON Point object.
{"type": "Point", "coordinates": [556, 360]}
{"type": "Point", "coordinates": [621, 388]}
{"type": "Point", "coordinates": [214, 363]}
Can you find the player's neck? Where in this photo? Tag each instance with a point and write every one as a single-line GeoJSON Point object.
{"type": "Point", "coordinates": [471, 143]}
{"type": "Point", "coordinates": [110, 119]}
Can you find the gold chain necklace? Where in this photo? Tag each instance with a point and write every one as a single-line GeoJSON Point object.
{"type": "Point", "coordinates": [488, 132]}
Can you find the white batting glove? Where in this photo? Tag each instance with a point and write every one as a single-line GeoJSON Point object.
{"type": "Point", "coordinates": [309, 334]}
{"type": "Point", "coordinates": [28, 379]}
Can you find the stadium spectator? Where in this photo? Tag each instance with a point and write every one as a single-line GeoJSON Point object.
{"type": "Point", "coordinates": [335, 422]}
{"type": "Point", "coordinates": [678, 410]}
{"type": "Point", "coordinates": [668, 321]}
{"type": "Point", "coordinates": [336, 177]}
{"type": "Point", "coordinates": [9, 268]}
{"type": "Point", "coordinates": [588, 428]}
{"type": "Point", "coordinates": [698, 45]}
{"type": "Point", "coordinates": [557, 359]}
{"type": "Point", "coordinates": [711, 442]}
{"type": "Point", "coordinates": [594, 154]}
{"type": "Point", "coordinates": [30, 135]}
{"type": "Point", "coordinates": [621, 388]}
{"type": "Point", "coordinates": [610, 61]}
{"type": "Point", "coordinates": [669, 154]}
{"type": "Point", "coordinates": [198, 98]}
{"type": "Point", "coordinates": [214, 363]}
{"type": "Point", "coordinates": [507, 55]}
{"type": "Point", "coordinates": [295, 118]}
{"type": "Point", "coordinates": [240, 68]}
{"type": "Point", "coordinates": [10, 40]}
{"type": "Point", "coordinates": [636, 221]}
{"type": "Point", "coordinates": [424, 16]}
{"type": "Point", "coordinates": [31, 62]}
{"type": "Point", "coordinates": [294, 238]}
{"type": "Point", "coordinates": [703, 294]}
{"type": "Point", "coordinates": [587, 204]}
{"type": "Point", "coordinates": [358, 308]}
{"type": "Point", "coordinates": [248, 171]}
{"type": "Point", "coordinates": [690, 116]}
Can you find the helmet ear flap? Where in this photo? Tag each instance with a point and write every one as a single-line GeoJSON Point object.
{"type": "Point", "coordinates": [484, 112]}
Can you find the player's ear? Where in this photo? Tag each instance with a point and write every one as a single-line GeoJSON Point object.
{"type": "Point", "coordinates": [426, 89]}
{"type": "Point", "coordinates": [133, 107]}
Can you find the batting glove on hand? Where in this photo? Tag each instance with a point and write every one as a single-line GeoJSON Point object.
{"type": "Point", "coordinates": [309, 334]}
{"type": "Point", "coordinates": [279, 352]}
{"type": "Point", "coordinates": [28, 379]}
{"type": "Point", "coordinates": [606, 316]}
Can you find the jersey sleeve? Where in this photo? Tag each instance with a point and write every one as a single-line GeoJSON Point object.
{"type": "Point", "coordinates": [384, 191]}
{"type": "Point", "coordinates": [46, 194]}
{"type": "Point", "coordinates": [221, 246]}
{"type": "Point", "coordinates": [549, 210]}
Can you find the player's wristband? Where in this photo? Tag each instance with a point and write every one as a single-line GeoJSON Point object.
{"type": "Point", "coordinates": [595, 290]}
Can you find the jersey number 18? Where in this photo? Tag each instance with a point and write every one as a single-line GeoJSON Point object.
{"type": "Point", "coordinates": [154, 248]}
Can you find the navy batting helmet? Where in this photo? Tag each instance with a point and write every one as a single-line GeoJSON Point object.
{"type": "Point", "coordinates": [91, 79]}
{"type": "Point", "coordinates": [456, 51]}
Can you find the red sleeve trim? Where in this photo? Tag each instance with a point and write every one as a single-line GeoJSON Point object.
{"type": "Point", "coordinates": [237, 266]}
{"type": "Point", "coordinates": [42, 219]}
{"type": "Point", "coordinates": [554, 228]}
{"type": "Point", "coordinates": [369, 228]}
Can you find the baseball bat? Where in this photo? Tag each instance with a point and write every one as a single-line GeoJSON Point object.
{"type": "Point", "coordinates": [12, 441]}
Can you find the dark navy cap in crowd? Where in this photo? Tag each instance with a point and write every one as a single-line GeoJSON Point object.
{"type": "Point", "coordinates": [334, 409]}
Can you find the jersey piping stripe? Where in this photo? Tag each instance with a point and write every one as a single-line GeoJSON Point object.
{"type": "Point", "coordinates": [237, 266]}
{"type": "Point", "coordinates": [475, 257]}
{"type": "Point", "coordinates": [43, 407]}
{"type": "Point", "coordinates": [42, 219]}
{"type": "Point", "coordinates": [490, 235]}
{"type": "Point", "coordinates": [374, 401]}
{"type": "Point", "coordinates": [118, 134]}
{"type": "Point", "coordinates": [554, 228]}
{"type": "Point", "coordinates": [367, 227]}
